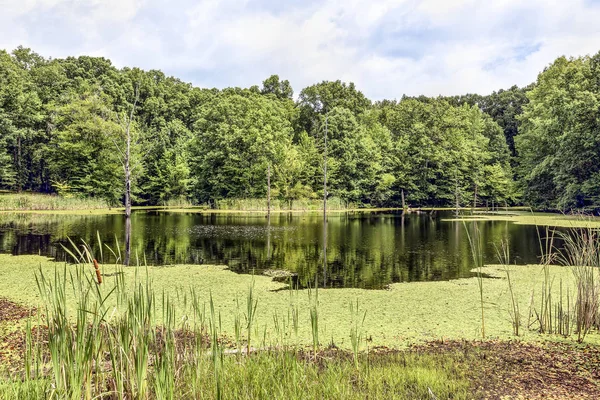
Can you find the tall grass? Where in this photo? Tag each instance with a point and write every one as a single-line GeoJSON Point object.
{"type": "Point", "coordinates": [581, 251]}
{"type": "Point", "coordinates": [181, 202]}
{"type": "Point", "coordinates": [334, 203]}
{"type": "Point", "coordinates": [544, 314]}
{"type": "Point", "coordinates": [356, 330]}
{"type": "Point", "coordinates": [476, 246]}
{"type": "Point", "coordinates": [503, 254]}
{"type": "Point", "coordinates": [313, 300]}
{"type": "Point", "coordinates": [36, 201]}
{"type": "Point", "coordinates": [561, 314]}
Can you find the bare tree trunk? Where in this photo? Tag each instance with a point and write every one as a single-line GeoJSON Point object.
{"type": "Point", "coordinates": [127, 259]}
{"type": "Point", "coordinates": [403, 203]}
{"type": "Point", "coordinates": [324, 252]}
{"type": "Point", "coordinates": [126, 159]}
{"type": "Point", "coordinates": [325, 173]}
{"type": "Point", "coordinates": [127, 156]}
{"type": "Point", "coordinates": [128, 176]}
{"type": "Point", "coordinates": [325, 208]}
{"type": "Point", "coordinates": [268, 236]}
{"type": "Point", "coordinates": [269, 190]}
{"type": "Point", "coordinates": [19, 166]}
{"type": "Point", "coordinates": [456, 195]}
{"type": "Point", "coordinates": [475, 197]}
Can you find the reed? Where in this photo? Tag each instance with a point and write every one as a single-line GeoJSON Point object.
{"type": "Point", "coordinates": [476, 246]}
{"type": "Point", "coordinates": [313, 300]}
{"type": "Point", "coordinates": [251, 304]}
{"type": "Point", "coordinates": [503, 255]}
{"type": "Point", "coordinates": [356, 330]}
{"type": "Point", "coordinates": [35, 201]}
{"type": "Point", "coordinates": [581, 251]}
{"type": "Point", "coordinates": [334, 203]}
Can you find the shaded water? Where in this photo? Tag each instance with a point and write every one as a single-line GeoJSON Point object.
{"type": "Point", "coordinates": [364, 249]}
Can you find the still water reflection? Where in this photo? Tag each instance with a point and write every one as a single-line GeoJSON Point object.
{"type": "Point", "coordinates": [366, 250]}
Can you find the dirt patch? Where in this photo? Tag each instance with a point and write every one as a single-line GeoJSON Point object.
{"type": "Point", "coordinates": [10, 311]}
{"type": "Point", "coordinates": [517, 370]}
{"type": "Point", "coordinates": [12, 343]}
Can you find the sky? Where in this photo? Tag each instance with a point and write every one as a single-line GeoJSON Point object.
{"type": "Point", "coordinates": [386, 47]}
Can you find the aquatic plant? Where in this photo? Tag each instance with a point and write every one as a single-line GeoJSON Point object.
{"type": "Point", "coordinates": [476, 246]}
{"type": "Point", "coordinates": [503, 254]}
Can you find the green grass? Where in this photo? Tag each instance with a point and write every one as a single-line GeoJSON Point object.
{"type": "Point", "coordinates": [35, 201]}
{"type": "Point", "coordinates": [334, 203]}
{"type": "Point", "coordinates": [404, 314]}
{"type": "Point", "coordinates": [284, 375]}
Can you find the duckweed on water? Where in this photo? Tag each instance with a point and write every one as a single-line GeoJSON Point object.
{"type": "Point", "coordinates": [405, 313]}
{"type": "Point", "coordinates": [539, 219]}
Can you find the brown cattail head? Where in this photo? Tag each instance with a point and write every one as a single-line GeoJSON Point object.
{"type": "Point", "coordinates": [98, 274]}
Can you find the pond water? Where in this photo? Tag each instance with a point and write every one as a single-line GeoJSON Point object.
{"type": "Point", "coordinates": [364, 249]}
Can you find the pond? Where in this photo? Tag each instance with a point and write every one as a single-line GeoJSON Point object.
{"type": "Point", "coordinates": [364, 249]}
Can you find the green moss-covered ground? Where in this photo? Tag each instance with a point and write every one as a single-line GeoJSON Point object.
{"type": "Point", "coordinates": [406, 313]}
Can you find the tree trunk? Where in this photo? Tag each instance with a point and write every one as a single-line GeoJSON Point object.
{"type": "Point", "coordinates": [324, 252]}
{"type": "Point", "coordinates": [325, 173]}
{"type": "Point", "coordinates": [403, 203]}
{"type": "Point", "coordinates": [128, 177]}
{"type": "Point", "coordinates": [325, 208]}
{"type": "Point", "coordinates": [456, 196]}
{"type": "Point", "coordinates": [268, 236]}
{"type": "Point", "coordinates": [127, 259]}
{"type": "Point", "coordinates": [475, 197]}
{"type": "Point", "coordinates": [19, 166]}
{"type": "Point", "coordinates": [269, 190]}
{"type": "Point", "coordinates": [127, 169]}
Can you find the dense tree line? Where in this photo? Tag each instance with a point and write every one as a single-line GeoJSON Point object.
{"type": "Point", "coordinates": [62, 123]}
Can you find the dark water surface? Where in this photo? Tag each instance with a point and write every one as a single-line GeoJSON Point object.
{"type": "Point", "coordinates": [364, 249]}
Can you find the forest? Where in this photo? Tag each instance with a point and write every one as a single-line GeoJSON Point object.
{"type": "Point", "coordinates": [63, 123]}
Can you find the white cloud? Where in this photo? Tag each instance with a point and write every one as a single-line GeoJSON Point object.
{"type": "Point", "coordinates": [387, 47]}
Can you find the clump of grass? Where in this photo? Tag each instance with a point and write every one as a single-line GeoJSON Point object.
{"type": "Point", "coordinates": [36, 201]}
{"type": "Point", "coordinates": [313, 300]}
{"type": "Point", "coordinates": [476, 246]}
{"type": "Point", "coordinates": [543, 315]}
{"type": "Point", "coordinates": [181, 202]}
{"type": "Point", "coordinates": [251, 304]}
{"type": "Point", "coordinates": [503, 254]}
{"type": "Point", "coordinates": [356, 329]}
{"type": "Point", "coordinates": [581, 251]}
{"type": "Point", "coordinates": [334, 203]}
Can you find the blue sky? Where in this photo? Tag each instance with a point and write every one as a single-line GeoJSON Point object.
{"type": "Point", "coordinates": [387, 47]}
